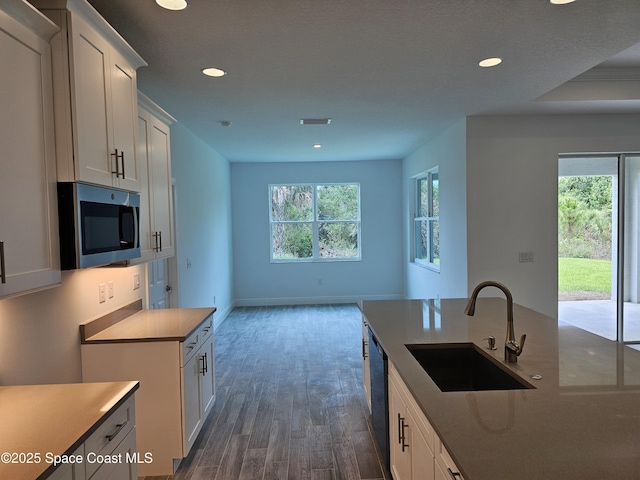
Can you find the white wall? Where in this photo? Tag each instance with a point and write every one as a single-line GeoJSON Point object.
{"type": "Point", "coordinates": [203, 223]}
{"type": "Point", "coordinates": [40, 334]}
{"type": "Point", "coordinates": [447, 152]}
{"type": "Point", "coordinates": [378, 275]}
{"type": "Point", "coordinates": [512, 177]}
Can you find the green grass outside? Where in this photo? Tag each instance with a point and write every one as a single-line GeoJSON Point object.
{"type": "Point", "coordinates": [584, 274]}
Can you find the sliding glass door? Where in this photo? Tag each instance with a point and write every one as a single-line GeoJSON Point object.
{"type": "Point", "coordinates": [599, 244]}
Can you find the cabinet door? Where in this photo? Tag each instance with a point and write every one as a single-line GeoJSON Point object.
{"type": "Point", "coordinates": [156, 199]}
{"type": "Point", "coordinates": [422, 459]}
{"type": "Point", "coordinates": [207, 378]}
{"type": "Point", "coordinates": [123, 468]}
{"type": "Point", "coordinates": [124, 104]}
{"type": "Point", "coordinates": [400, 460]}
{"type": "Point", "coordinates": [29, 255]}
{"type": "Point", "coordinates": [191, 398]}
{"type": "Point", "coordinates": [147, 245]}
{"type": "Point", "coordinates": [90, 98]}
{"type": "Point", "coordinates": [70, 471]}
{"type": "Point", "coordinates": [160, 178]}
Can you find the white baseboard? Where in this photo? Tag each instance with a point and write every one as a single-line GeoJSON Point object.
{"type": "Point", "coordinates": [260, 302]}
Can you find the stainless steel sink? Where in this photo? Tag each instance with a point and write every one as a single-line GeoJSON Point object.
{"type": "Point", "coordinates": [459, 367]}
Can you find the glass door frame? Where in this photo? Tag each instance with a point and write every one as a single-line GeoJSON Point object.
{"type": "Point", "coordinates": [620, 212]}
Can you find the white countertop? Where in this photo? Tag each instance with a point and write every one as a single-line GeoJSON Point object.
{"type": "Point", "coordinates": [170, 324]}
{"type": "Point", "coordinates": [52, 419]}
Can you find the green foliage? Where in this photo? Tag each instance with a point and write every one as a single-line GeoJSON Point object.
{"type": "Point", "coordinates": [584, 217]}
{"type": "Point", "coordinates": [292, 215]}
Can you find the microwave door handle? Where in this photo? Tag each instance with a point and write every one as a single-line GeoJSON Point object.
{"type": "Point", "coordinates": [136, 230]}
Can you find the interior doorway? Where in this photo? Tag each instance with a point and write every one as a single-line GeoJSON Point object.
{"type": "Point", "coordinates": [598, 239]}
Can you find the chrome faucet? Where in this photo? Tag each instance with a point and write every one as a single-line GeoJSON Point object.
{"type": "Point", "coordinates": [512, 349]}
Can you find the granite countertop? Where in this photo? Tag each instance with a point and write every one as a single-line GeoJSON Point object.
{"type": "Point", "coordinates": [53, 419]}
{"type": "Point", "coordinates": [582, 421]}
{"type": "Point", "coordinates": [171, 324]}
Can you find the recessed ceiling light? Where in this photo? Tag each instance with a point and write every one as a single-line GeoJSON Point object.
{"type": "Point", "coordinates": [317, 145]}
{"type": "Point", "coordinates": [214, 72]}
{"type": "Point", "coordinates": [173, 4]}
{"type": "Point", "coordinates": [490, 62]}
{"type": "Point", "coordinates": [562, 2]}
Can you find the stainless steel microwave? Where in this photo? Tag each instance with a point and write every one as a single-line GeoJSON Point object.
{"type": "Point", "coordinates": [98, 225]}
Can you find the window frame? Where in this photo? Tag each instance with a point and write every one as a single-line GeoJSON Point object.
{"type": "Point", "coordinates": [315, 222]}
{"type": "Point", "coordinates": [430, 219]}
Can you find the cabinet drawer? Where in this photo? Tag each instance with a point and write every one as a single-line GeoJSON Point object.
{"type": "Point", "coordinates": [109, 435]}
{"type": "Point", "coordinates": [206, 328]}
{"type": "Point", "coordinates": [190, 346]}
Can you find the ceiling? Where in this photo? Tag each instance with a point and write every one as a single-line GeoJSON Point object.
{"type": "Point", "coordinates": [389, 74]}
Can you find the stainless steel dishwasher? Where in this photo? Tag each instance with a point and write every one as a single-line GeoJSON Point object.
{"type": "Point", "coordinates": [379, 396]}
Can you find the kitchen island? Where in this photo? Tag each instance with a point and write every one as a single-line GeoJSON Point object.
{"type": "Point", "coordinates": [42, 423]}
{"type": "Point", "coordinates": [581, 421]}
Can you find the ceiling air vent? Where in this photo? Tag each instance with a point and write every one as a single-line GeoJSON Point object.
{"type": "Point", "coordinates": [315, 121]}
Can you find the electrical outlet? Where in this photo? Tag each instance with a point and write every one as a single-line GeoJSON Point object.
{"type": "Point", "coordinates": [525, 257]}
{"type": "Point", "coordinates": [102, 293]}
{"type": "Point", "coordinates": [111, 289]}
{"type": "Point", "coordinates": [136, 281]}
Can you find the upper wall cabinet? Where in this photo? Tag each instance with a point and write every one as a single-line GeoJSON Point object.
{"type": "Point", "coordinates": [29, 254]}
{"type": "Point", "coordinates": [95, 96]}
{"type": "Point", "coordinates": [156, 199]}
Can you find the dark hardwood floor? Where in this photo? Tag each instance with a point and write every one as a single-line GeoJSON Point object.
{"type": "Point", "coordinates": [289, 399]}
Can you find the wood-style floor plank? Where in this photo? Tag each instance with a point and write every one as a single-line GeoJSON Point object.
{"type": "Point", "coordinates": [289, 399]}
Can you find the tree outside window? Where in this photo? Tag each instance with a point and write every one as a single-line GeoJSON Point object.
{"type": "Point", "coordinates": [315, 222]}
{"type": "Point", "coordinates": [426, 224]}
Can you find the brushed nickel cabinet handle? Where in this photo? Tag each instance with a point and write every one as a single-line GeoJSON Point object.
{"type": "Point", "coordinates": [160, 236]}
{"type": "Point", "coordinates": [3, 271]}
{"type": "Point", "coordinates": [119, 428]}
{"type": "Point", "coordinates": [404, 445]}
{"type": "Point", "coordinates": [119, 158]}
{"type": "Point", "coordinates": [453, 475]}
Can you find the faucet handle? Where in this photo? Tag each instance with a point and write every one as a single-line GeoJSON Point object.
{"type": "Point", "coordinates": [516, 348]}
{"type": "Point", "coordinates": [522, 339]}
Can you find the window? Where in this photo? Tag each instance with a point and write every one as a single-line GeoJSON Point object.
{"type": "Point", "coordinates": [315, 222]}
{"type": "Point", "coordinates": [426, 223]}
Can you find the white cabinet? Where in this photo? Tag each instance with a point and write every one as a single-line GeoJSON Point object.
{"type": "Point", "coordinates": [29, 253]}
{"type": "Point", "coordinates": [114, 439]}
{"type": "Point", "coordinates": [411, 437]}
{"type": "Point", "coordinates": [70, 471]}
{"type": "Point", "coordinates": [198, 382]}
{"type": "Point", "coordinates": [445, 468]}
{"type": "Point", "coordinates": [156, 199]}
{"type": "Point", "coordinates": [176, 389]}
{"type": "Point", "coordinates": [95, 95]}
{"type": "Point", "coordinates": [366, 367]}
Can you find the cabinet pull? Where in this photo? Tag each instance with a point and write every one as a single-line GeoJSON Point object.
{"type": "Point", "coordinates": [3, 272]}
{"type": "Point", "coordinates": [160, 236]}
{"type": "Point", "coordinates": [403, 436]}
{"type": "Point", "coordinates": [191, 345]}
{"type": "Point", "coordinates": [119, 427]}
{"type": "Point", "coordinates": [158, 247]}
{"type": "Point", "coordinates": [364, 349]}
{"type": "Point", "coordinates": [453, 475]}
{"type": "Point", "coordinates": [119, 158]}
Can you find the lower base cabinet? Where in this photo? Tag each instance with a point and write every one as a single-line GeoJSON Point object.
{"type": "Point", "coordinates": [177, 390]}
{"type": "Point", "coordinates": [416, 452]}
{"type": "Point", "coordinates": [115, 442]}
